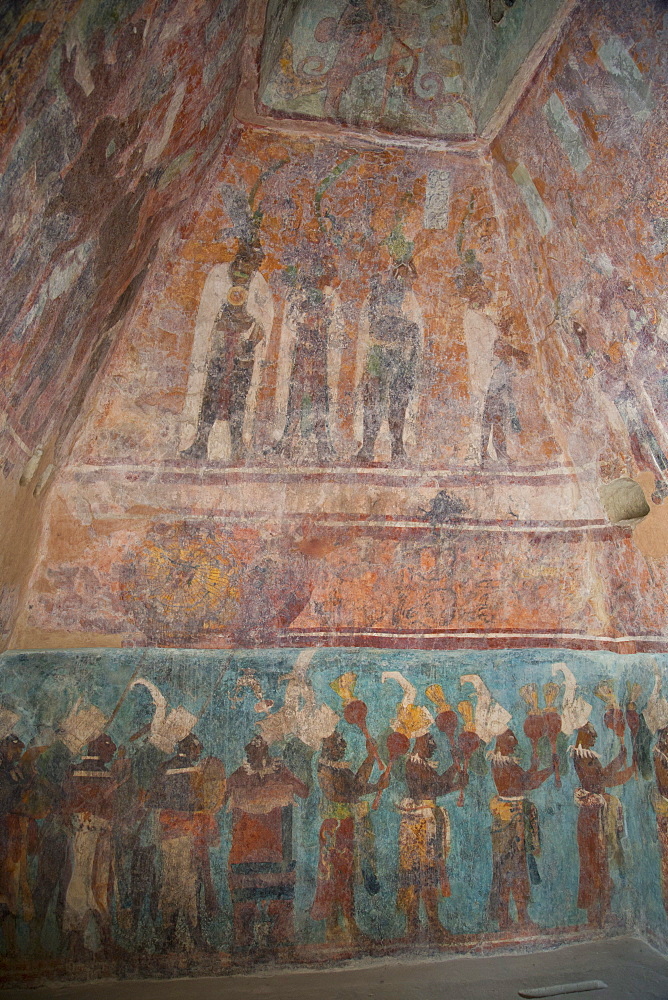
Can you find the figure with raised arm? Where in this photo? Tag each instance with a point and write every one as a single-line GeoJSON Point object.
{"type": "Point", "coordinates": [515, 831]}
{"type": "Point", "coordinates": [347, 855]}
{"type": "Point", "coordinates": [424, 838]}
{"type": "Point", "coordinates": [600, 820]}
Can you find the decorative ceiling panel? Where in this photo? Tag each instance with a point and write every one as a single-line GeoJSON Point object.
{"type": "Point", "coordinates": [433, 68]}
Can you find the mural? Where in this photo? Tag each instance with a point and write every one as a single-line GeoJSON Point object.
{"type": "Point", "coordinates": [111, 116]}
{"type": "Point", "coordinates": [318, 340]}
{"type": "Point", "coordinates": [434, 68]}
{"type": "Point", "coordinates": [337, 505]}
{"type": "Point", "coordinates": [602, 288]}
{"type": "Point", "coordinates": [159, 804]}
{"type": "Point", "coordinates": [349, 406]}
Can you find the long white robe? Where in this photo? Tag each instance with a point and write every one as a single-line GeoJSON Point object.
{"type": "Point", "coordinates": [480, 334]}
{"type": "Point", "coordinates": [286, 355]}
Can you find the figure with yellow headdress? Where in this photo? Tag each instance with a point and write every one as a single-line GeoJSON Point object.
{"type": "Point", "coordinates": [424, 830]}
{"type": "Point", "coordinates": [347, 846]}
{"type": "Point", "coordinates": [600, 818]}
{"type": "Point", "coordinates": [515, 830]}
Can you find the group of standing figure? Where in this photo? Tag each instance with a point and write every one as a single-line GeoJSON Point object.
{"type": "Point", "coordinates": [231, 344]}
{"type": "Point", "coordinates": [632, 373]}
{"type": "Point", "coordinates": [230, 348]}
{"type": "Point", "coordinates": [235, 324]}
{"type": "Point", "coordinates": [119, 842]}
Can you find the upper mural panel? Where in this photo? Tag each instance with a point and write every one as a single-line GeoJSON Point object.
{"type": "Point", "coordinates": [419, 67]}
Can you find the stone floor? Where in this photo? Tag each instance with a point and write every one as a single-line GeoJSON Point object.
{"type": "Point", "coordinates": [632, 970]}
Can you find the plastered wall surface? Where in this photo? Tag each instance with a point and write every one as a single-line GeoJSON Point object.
{"type": "Point", "coordinates": [436, 69]}
{"type": "Point", "coordinates": [429, 387]}
{"type": "Point", "coordinates": [284, 407]}
{"type": "Point", "coordinates": [111, 116]}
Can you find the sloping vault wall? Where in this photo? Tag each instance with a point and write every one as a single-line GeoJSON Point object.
{"type": "Point", "coordinates": [112, 115]}
{"type": "Point", "coordinates": [356, 419]}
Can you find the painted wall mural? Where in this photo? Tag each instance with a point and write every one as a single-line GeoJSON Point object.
{"type": "Point", "coordinates": [334, 380]}
{"type": "Point", "coordinates": [598, 283]}
{"type": "Point", "coordinates": [337, 505]}
{"type": "Point", "coordinates": [348, 407]}
{"type": "Point", "coordinates": [436, 68]}
{"type": "Point", "coordinates": [214, 808]}
{"type": "Point", "coordinates": [111, 114]}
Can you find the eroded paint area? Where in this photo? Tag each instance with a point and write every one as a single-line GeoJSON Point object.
{"type": "Point", "coordinates": [111, 117]}
{"type": "Point", "coordinates": [431, 69]}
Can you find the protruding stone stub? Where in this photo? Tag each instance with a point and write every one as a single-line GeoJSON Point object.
{"type": "Point", "coordinates": [624, 502]}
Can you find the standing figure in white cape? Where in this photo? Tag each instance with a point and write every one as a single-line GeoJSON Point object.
{"type": "Point", "coordinates": [233, 324]}
{"type": "Point", "coordinates": [492, 364]}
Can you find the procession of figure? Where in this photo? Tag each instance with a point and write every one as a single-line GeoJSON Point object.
{"type": "Point", "coordinates": [106, 841]}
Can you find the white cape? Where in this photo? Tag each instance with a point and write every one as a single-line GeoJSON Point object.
{"type": "Point", "coordinates": [261, 307]}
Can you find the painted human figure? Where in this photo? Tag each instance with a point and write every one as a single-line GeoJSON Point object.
{"type": "Point", "coordinates": [600, 821]}
{"type": "Point", "coordinates": [52, 876]}
{"type": "Point", "coordinates": [424, 838]}
{"type": "Point", "coordinates": [305, 360]}
{"type": "Point", "coordinates": [347, 846]}
{"type": "Point", "coordinates": [88, 805]}
{"type": "Point", "coordinates": [645, 350]}
{"type": "Point", "coordinates": [17, 839]}
{"type": "Point", "coordinates": [136, 839]}
{"type": "Point", "coordinates": [188, 793]}
{"type": "Point", "coordinates": [492, 364]}
{"type": "Point", "coordinates": [391, 360]}
{"type": "Point", "coordinates": [650, 362]}
{"type": "Point", "coordinates": [359, 31]}
{"type": "Point", "coordinates": [515, 831]}
{"type": "Point", "coordinates": [234, 318]}
{"type": "Point", "coordinates": [611, 370]}
{"type": "Point", "coordinates": [499, 415]}
{"type": "Point", "coordinates": [261, 870]}
{"type": "Point", "coordinates": [660, 800]}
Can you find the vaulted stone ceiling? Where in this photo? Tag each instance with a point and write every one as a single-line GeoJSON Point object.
{"type": "Point", "coordinates": [438, 68]}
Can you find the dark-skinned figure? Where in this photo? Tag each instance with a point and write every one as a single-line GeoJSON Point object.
{"type": "Point", "coordinates": [424, 838]}
{"type": "Point", "coordinates": [188, 792]}
{"type": "Point", "coordinates": [347, 855]}
{"type": "Point", "coordinates": [261, 870]}
{"type": "Point", "coordinates": [88, 805]}
{"type": "Point", "coordinates": [600, 821]}
{"type": "Point", "coordinates": [394, 337]}
{"type": "Point", "coordinates": [515, 831]}
{"type": "Point", "coordinates": [234, 319]}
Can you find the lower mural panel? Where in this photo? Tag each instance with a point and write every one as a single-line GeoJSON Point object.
{"type": "Point", "coordinates": [172, 810]}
